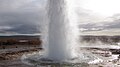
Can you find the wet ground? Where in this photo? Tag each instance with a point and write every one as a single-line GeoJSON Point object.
{"type": "Point", "coordinates": [13, 63]}
{"type": "Point", "coordinates": [13, 59]}
{"type": "Point", "coordinates": [18, 63]}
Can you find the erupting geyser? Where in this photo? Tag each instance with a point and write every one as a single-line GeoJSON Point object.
{"type": "Point", "coordinates": [63, 33]}
{"type": "Point", "coordinates": [63, 36]}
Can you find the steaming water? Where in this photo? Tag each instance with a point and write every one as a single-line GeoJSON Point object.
{"type": "Point", "coordinates": [62, 32]}
{"type": "Point", "coordinates": [63, 36]}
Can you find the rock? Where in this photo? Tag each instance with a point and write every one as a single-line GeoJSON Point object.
{"type": "Point", "coordinates": [115, 51]}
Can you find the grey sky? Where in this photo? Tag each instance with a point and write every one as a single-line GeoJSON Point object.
{"type": "Point", "coordinates": [21, 16]}
{"type": "Point", "coordinates": [27, 16]}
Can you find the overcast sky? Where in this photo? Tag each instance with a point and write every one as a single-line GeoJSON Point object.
{"type": "Point", "coordinates": [26, 16]}
{"type": "Point", "coordinates": [21, 16]}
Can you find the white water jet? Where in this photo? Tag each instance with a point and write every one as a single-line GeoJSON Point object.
{"type": "Point", "coordinates": [63, 33]}
{"type": "Point", "coordinates": [63, 37]}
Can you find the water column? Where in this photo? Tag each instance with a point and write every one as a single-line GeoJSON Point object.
{"type": "Point", "coordinates": [58, 49]}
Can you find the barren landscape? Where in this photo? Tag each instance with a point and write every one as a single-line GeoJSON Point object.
{"type": "Point", "coordinates": [11, 51]}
